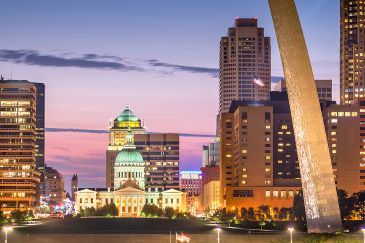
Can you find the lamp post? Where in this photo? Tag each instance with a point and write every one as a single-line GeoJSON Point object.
{"type": "Point", "coordinates": [6, 229]}
{"type": "Point", "coordinates": [291, 229]}
{"type": "Point", "coordinates": [363, 232]}
{"type": "Point", "coordinates": [218, 230]}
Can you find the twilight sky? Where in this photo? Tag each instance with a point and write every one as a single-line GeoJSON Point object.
{"type": "Point", "coordinates": [160, 57]}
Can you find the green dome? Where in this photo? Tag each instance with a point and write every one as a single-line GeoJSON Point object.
{"type": "Point", "coordinates": [129, 155]}
{"type": "Point", "coordinates": [127, 115]}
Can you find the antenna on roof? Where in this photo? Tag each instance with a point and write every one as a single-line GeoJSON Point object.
{"type": "Point", "coordinates": [11, 74]}
{"type": "Point", "coordinates": [1, 79]}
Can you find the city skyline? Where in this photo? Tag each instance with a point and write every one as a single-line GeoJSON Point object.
{"type": "Point", "coordinates": [71, 64]}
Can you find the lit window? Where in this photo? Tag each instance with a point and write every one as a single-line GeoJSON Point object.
{"type": "Point", "coordinates": [267, 194]}
{"type": "Point", "coordinates": [228, 155]}
{"type": "Point", "coordinates": [267, 157]}
{"type": "Point", "coordinates": [334, 120]}
{"type": "Point", "coordinates": [244, 151]}
{"type": "Point", "coordinates": [340, 113]}
{"type": "Point", "coordinates": [333, 113]}
{"type": "Point", "coordinates": [275, 194]}
{"type": "Point", "coordinates": [244, 182]}
{"type": "Point", "coordinates": [284, 127]}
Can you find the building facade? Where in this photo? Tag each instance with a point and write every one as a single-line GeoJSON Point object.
{"type": "Point", "coordinates": [20, 179]}
{"type": "Point", "coordinates": [191, 182]}
{"type": "Point", "coordinates": [352, 51]}
{"type": "Point", "coordinates": [245, 64]}
{"type": "Point", "coordinates": [54, 186]}
{"type": "Point", "coordinates": [250, 169]}
{"type": "Point", "coordinates": [211, 153]}
{"type": "Point", "coordinates": [117, 138]}
{"type": "Point", "coordinates": [212, 196]}
{"type": "Point", "coordinates": [344, 139]}
{"type": "Point", "coordinates": [40, 126]}
{"type": "Point", "coordinates": [160, 153]}
{"type": "Point", "coordinates": [324, 88]}
{"type": "Point", "coordinates": [129, 165]}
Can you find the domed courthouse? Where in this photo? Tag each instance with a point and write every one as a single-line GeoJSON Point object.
{"type": "Point", "coordinates": [127, 190]}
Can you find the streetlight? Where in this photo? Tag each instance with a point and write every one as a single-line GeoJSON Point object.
{"type": "Point", "coordinates": [291, 229]}
{"type": "Point", "coordinates": [218, 230]}
{"type": "Point", "coordinates": [363, 231]}
{"type": "Point", "coordinates": [6, 229]}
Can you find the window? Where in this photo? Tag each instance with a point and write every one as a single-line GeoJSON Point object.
{"type": "Point", "coordinates": [166, 201]}
{"type": "Point", "coordinates": [92, 200]}
{"type": "Point", "coordinates": [275, 194]}
{"type": "Point", "coordinates": [283, 194]}
{"type": "Point", "coordinates": [80, 200]}
{"type": "Point", "coordinates": [267, 194]}
{"type": "Point", "coordinates": [86, 200]}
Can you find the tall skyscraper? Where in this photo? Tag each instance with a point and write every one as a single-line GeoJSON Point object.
{"type": "Point", "coordinates": [352, 50]}
{"type": "Point", "coordinates": [245, 64]}
{"type": "Point", "coordinates": [40, 125]}
{"type": "Point", "coordinates": [20, 179]}
{"type": "Point", "coordinates": [117, 138]}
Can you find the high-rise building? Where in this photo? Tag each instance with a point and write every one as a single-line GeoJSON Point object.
{"type": "Point", "coordinates": [211, 153]}
{"type": "Point", "coordinates": [117, 139]}
{"type": "Point", "coordinates": [20, 179]}
{"type": "Point", "coordinates": [352, 50]}
{"type": "Point", "coordinates": [324, 88]}
{"type": "Point", "coordinates": [160, 153]}
{"type": "Point", "coordinates": [245, 64]}
{"type": "Point", "coordinates": [40, 125]}
{"type": "Point", "coordinates": [342, 124]}
{"type": "Point", "coordinates": [54, 186]}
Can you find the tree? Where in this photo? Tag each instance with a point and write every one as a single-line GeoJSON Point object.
{"type": "Point", "coordinates": [298, 207]}
{"type": "Point", "coordinates": [244, 214]}
{"type": "Point", "coordinates": [251, 214]}
{"type": "Point", "coordinates": [108, 210]}
{"type": "Point", "coordinates": [263, 213]}
{"type": "Point", "coordinates": [344, 203]}
{"type": "Point", "coordinates": [90, 212]}
{"type": "Point", "coordinates": [358, 205]}
{"type": "Point", "coordinates": [151, 210]}
{"type": "Point", "coordinates": [284, 213]}
{"type": "Point", "coordinates": [169, 212]}
{"type": "Point", "coordinates": [16, 216]}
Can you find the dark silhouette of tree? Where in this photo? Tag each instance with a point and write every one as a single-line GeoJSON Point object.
{"type": "Point", "coordinates": [357, 201]}
{"type": "Point", "coordinates": [284, 213]}
{"type": "Point", "coordinates": [251, 214]}
{"type": "Point", "coordinates": [151, 210]}
{"type": "Point", "coordinates": [169, 212]}
{"type": "Point", "coordinates": [298, 207]}
{"type": "Point", "coordinates": [344, 203]}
